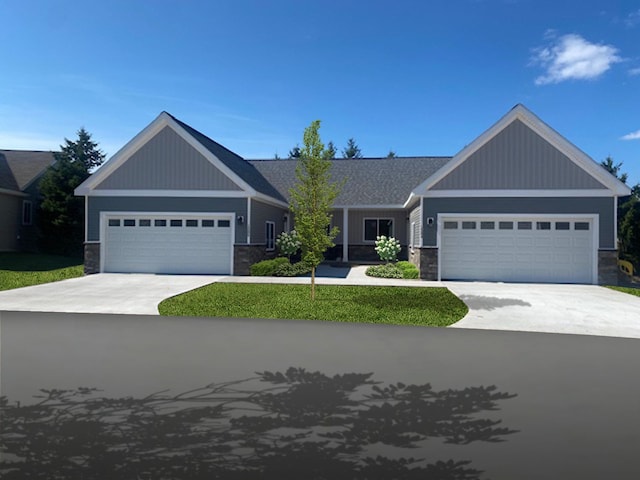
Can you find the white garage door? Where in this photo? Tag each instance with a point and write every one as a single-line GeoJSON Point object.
{"type": "Point", "coordinates": [168, 243]}
{"type": "Point", "coordinates": [535, 249]}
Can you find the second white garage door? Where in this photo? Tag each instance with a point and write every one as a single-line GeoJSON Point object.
{"type": "Point", "coordinates": [517, 249]}
{"type": "Point", "coordinates": [172, 243]}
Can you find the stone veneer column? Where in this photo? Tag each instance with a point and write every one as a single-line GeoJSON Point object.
{"type": "Point", "coordinates": [608, 267]}
{"type": "Point", "coordinates": [91, 258]}
{"type": "Point", "coordinates": [428, 263]}
{"type": "Point", "coordinates": [246, 255]}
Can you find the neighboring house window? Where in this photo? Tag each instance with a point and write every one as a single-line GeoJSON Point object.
{"type": "Point", "coordinates": [27, 211]}
{"type": "Point", "coordinates": [375, 227]}
{"type": "Point", "coordinates": [270, 235]}
{"type": "Point", "coordinates": [285, 226]}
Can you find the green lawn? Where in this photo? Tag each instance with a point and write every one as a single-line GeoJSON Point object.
{"type": "Point", "coordinates": [336, 303]}
{"type": "Point", "coordinates": [25, 269]}
{"type": "Point", "coordinates": [629, 290]}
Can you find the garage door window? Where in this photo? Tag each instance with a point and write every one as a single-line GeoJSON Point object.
{"type": "Point", "coordinates": [144, 222]}
{"type": "Point", "coordinates": [562, 225]}
{"type": "Point", "coordinates": [192, 223]}
{"type": "Point", "coordinates": [505, 225]}
{"type": "Point", "coordinates": [543, 225]}
{"type": "Point", "coordinates": [224, 223]}
{"type": "Point", "coordinates": [468, 225]}
{"type": "Point", "coordinates": [208, 223]}
{"type": "Point", "coordinates": [581, 226]}
{"type": "Point", "coordinates": [160, 223]}
{"type": "Point", "coordinates": [114, 222]}
{"type": "Point", "coordinates": [129, 222]}
{"type": "Point", "coordinates": [524, 225]}
{"type": "Point", "coordinates": [487, 226]}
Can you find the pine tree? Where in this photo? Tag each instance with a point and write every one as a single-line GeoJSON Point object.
{"type": "Point", "coordinates": [352, 150]}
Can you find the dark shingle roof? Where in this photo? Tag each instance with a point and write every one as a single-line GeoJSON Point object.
{"type": "Point", "coordinates": [369, 181]}
{"type": "Point", "coordinates": [236, 163]}
{"type": "Point", "coordinates": [18, 168]}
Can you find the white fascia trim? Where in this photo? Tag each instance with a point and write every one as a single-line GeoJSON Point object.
{"type": "Point", "coordinates": [270, 200]}
{"type": "Point", "coordinates": [517, 193]}
{"type": "Point", "coordinates": [370, 207]}
{"type": "Point", "coordinates": [413, 198]}
{"type": "Point", "coordinates": [6, 191]}
{"type": "Point", "coordinates": [170, 193]}
{"type": "Point", "coordinates": [163, 120]}
{"type": "Point", "coordinates": [520, 112]}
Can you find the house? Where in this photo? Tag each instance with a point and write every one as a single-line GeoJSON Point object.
{"type": "Point", "coordinates": [518, 203]}
{"type": "Point", "coordinates": [19, 196]}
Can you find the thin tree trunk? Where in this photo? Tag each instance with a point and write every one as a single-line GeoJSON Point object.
{"type": "Point", "coordinates": [313, 283]}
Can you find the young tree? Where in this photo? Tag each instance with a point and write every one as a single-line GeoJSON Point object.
{"type": "Point", "coordinates": [312, 199]}
{"type": "Point", "coordinates": [61, 216]}
{"type": "Point", "coordinates": [391, 154]}
{"type": "Point", "coordinates": [351, 150]}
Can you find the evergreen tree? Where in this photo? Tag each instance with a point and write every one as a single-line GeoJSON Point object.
{"type": "Point", "coordinates": [352, 150]}
{"type": "Point", "coordinates": [331, 150]}
{"type": "Point", "coordinates": [312, 199]}
{"type": "Point", "coordinates": [391, 154]}
{"type": "Point", "coordinates": [294, 152]}
{"type": "Point", "coordinates": [61, 214]}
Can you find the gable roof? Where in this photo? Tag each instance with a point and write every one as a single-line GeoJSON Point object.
{"type": "Point", "coordinates": [368, 181]}
{"type": "Point", "coordinates": [20, 168]}
{"type": "Point", "coordinates": [521, 113]}
{"type": "Point", "coordinates": [234, 166]}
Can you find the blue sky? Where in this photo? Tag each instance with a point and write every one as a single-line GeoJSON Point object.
{"type": "Point", "coordinates": [417, 77]}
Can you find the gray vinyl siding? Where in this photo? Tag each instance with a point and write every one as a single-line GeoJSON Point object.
{"type": "Point", "coordinates": [416, 216]}
{"type": "Point", "coordinates": [165, 204]}
{"type": "Point", "coordinates": [260, 214]}
{"type": "Point", "coordinates": [356, 224]}
{"type": "Point", "coordinates": [603, 206]}
{"type": "Point", "coordinates": [167, 162]}
{"type": "Point", "coordinates": [517, 158]}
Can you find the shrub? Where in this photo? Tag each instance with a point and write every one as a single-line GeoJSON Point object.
{"type": "Point", "coordinates": [409, 270]}
{"type": "Point", "coordinates": [292, 270]}
{"type": "Point", "coordinates": [267, 268]}
{"type": "Point", "coordinates": [388, 270]}
{"type": "Point", "coordinates": [387, 248]}
{"type": "Point", "coordinates": [288, 243]}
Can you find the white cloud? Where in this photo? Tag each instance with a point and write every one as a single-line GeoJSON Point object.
{"type": "Point", "coordinates": [632, 136]}
{"type": "Point", "coordinates": [571, 57]}
{"type": "Point", "coordinates": [634, 71]}
{"type": "Point", "coordinates": [633, 19]}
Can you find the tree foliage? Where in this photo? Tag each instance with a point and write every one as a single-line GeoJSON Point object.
{"type": "Point", "coordinates": [351, 150]}
{"type": "Point", "coordinates": [291, 424]}
{"type": "Point", "coordinates": [294, 152]}
{"type": "Point", "coordinates": [391, 154]}
{"type": "Point", "coordinates": [628, 215]}
{"type": "Point", "coordinates": [61, 215]}
{"type": "Point", "coordinates": [312, 199]}
{"type": "Point", "coordinates": [331, 150]}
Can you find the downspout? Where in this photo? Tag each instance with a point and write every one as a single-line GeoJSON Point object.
{"type": "Point", "coordinates": [345, 234]}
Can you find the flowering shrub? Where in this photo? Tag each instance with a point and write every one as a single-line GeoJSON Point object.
{"type": "Point", "coordinates": [288, 243]}
{"type": "Point", "coordinates": [387, 248]}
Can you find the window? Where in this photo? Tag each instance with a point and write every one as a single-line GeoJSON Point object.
{"type": "Point", "coordinates": [114, 222]}
{"type": "Point", "coordinates": [543, 225]}
{"type": "Point", "coordinates": [27, 209]}
{"type": "Point", "coordinates": [208, 223]}
{"type": "Point", "coordinates": [192, 223]}
{"type": "Point", "coordinates": [129, 222]}
{"type": "Point", "coordinates": [524, 225]}
{"type": "Point", "coordinates": [468, 225]}
{"type": "Point", "coordinates": [224, 223]}
{"type": "Point", "coordinates": [269, 235]}
{"type": "Point", "coordinates": [160, 223]}
{"type": "Point", "coordinates": [176, 223]}
{"type": "Point", "coordinates": [376, 227]}
{"type": "Point", "coordinates": [144, 222]}
{"type": "Point", "coordinates": [562, 225]}
{"type": "Point", "coordinates": [581, 226]}
{"type": "Point", "coordinates": [505, 225]}
{"type": "Point", "coordinates": [487, 225]}
{"type": "Point", "coordinates": [450, 225]}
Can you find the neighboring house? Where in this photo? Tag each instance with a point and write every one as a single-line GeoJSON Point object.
{"type": "Point", "coordinates": [20, 171]}
{"type": "Point", "coordinates": [519, 203]}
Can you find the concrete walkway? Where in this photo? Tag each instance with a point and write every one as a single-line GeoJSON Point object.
{"type": "Point", "coordinates": [577, 309]}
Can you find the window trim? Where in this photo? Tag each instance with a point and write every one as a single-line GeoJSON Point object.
{"type": "Point", "coordinates": [270, 235]}
{"type": "Point", "coordinates": [27, 212]}
{"type": "Point", "coordinates": [378, 220]}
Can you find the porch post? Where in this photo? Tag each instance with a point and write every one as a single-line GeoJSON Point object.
{"type": "Point", "coordinates": [345, 234]}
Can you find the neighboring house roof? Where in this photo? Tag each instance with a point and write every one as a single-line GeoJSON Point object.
{"type": "Point", "coordinates": [20, 168]}
{"type": "Point", "coordinates": [368, 181]}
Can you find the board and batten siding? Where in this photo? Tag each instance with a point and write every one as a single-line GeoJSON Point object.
{"type": "Point", "coordinates": [602, 206]}
{"type": "Point", "coordinates": [517, 158]}
{"type": "Point", "coordinates": [167, 162]}
{"type": "Point", "coordinates": [336, 221]}
{"type": "Point", "coordinates": [238, 206]}
{"type": "Point", "coordinates": [415, 216]}
{"type": "Point", "coordinates": [260, 214]}
{"type": "Point", "coordinates": [356, 224]}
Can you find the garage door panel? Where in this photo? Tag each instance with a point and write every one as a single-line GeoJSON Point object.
{"type": "Point", "coordinates": [153, 248]}
{"type": "Point", "coordinates": [552, 250]}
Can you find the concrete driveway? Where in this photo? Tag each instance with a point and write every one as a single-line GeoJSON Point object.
{"type": "Point", "coordinates": [103, 293]}
{"type": "Point", "coordinates": [577, 309]}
